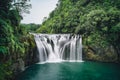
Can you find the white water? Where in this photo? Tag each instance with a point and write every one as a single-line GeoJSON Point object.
{"type": "Point", "coordinates": [59, 47]}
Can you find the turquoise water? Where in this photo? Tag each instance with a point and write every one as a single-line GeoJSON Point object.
{"type": "Point", "coordinates": [72, 71]}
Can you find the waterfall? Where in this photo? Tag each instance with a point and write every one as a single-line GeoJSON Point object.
{"type": "Point", "coordinates": [59, 47]}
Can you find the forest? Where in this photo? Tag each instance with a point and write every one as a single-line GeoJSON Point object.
{"type": "Point", "coordinates": [15, 41]}
{"type": "Point", "coordinates": [98, 21]}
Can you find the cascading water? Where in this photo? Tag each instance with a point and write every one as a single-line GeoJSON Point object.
{"type": "Point", "coordinates": [59, 47]}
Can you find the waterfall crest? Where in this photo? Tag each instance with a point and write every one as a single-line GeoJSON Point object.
{"type": "Point", "coordinates": [59, 47]}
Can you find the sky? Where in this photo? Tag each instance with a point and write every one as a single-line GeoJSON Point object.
{"type": "Point", "coordinates": [39, 10]}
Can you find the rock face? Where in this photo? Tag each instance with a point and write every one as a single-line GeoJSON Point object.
{"type": "Point", "coordinates": [106, 54]}
{"type": "Point", "coordinates": [18, 66]}
{"type": "Point", "coordinates": [31, 56]}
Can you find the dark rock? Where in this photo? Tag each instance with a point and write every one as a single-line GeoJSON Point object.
{"type": "Point", "coordinates": [104, 54]}
{"type": "Point", "coordinates": [18, 66]}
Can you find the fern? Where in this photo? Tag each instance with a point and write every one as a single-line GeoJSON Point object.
{"type": "Point", "coordinates": [3, 50]}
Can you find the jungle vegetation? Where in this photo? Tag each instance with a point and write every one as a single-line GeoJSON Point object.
{"type": "Point", "coordinates": [98, 21]}
{"type": "Point", "coordinates": [14, 39]}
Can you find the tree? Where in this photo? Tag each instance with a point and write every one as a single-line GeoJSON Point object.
{"type": "Point", "coordinates": [96, 20]}
{"type": "Point", "coordinates": [11, 46]}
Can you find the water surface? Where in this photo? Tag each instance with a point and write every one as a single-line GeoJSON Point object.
{"type": "Point", "coordinates": [72, 71]}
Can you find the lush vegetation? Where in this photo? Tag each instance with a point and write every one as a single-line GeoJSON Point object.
{"type": "Point", "coordinates": [29, 27]}
{"type": "Point", "coordinates": [98, 21]}
{"type": "Point", "coordinates": [14, 40]}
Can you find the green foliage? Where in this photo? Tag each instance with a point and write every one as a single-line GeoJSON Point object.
{"type": "Point", "coordinates": [11, 45]}
{"type": "Point", "coordinates": [5, 71]}
{"type": "Point", "coordinates": [28, 27]}
{"type": "Point", "coordinates": [98, 21]}
{"type": "Point", "coordinates": [15, 20]}
{"type": "Point", "coordinates": [3, 50]}
{"type": "Point", "coordinates": [5, 34]}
